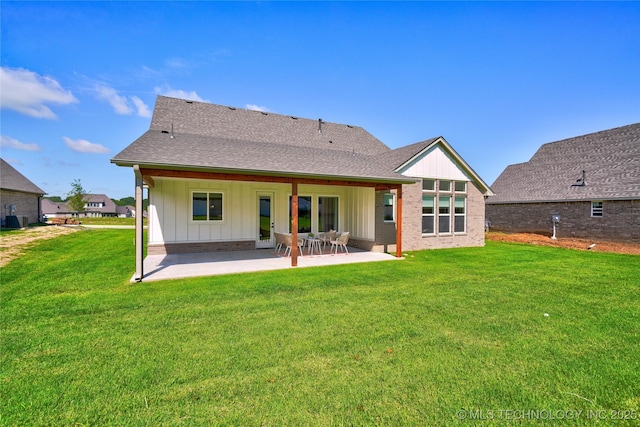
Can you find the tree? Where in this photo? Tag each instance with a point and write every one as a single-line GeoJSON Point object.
{"type": "Point", "coordinates": [77, 197]}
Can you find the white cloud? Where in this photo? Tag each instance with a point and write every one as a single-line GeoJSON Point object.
{"type": "Point", "coordinates": [178, 93]}
{"type": "Point", "coordinates": [27, 92]}
{"type": "Point", "coordinates": [8, 142]}
{"type": "Point", "coordinates": [255, 107]}
{"type": "Point", "coordinates": [84, 146]}
{"type": "Point", "coordinates": [143, 109]}
{"type": "Point", "coordinates": [120, 103]}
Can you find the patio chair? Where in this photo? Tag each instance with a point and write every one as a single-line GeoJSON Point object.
{"type": "Point", "coordinates": [326, 237]}
{"type": "Point", "coordinates": [279, 241]}
{"type": "Point", "coordinates": [288, 242]}
{"type": "Point", "coordinates": [340, 242]}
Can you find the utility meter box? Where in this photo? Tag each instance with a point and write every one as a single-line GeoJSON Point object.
{"type": "Point", "coordinates": [555, 219]}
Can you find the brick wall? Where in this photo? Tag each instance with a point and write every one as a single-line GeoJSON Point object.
{"type": "Point", "coordinates": [620, 219]}
{"type": "Point", "coordinates": [27, 204]}
{"type": "Point", "coordinates": [198, 247]}
{"type": "Point", "coordinates": [412, 238]}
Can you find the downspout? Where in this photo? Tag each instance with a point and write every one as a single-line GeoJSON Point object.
{"type": "Point", "coordinates": [139, 241]}
{"type": "Point", "coordinates": [399, 223]}
{"type": "Point", "coordinates": [294, 223]}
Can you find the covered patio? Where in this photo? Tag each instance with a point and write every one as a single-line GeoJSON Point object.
{"type": "Point", "coordinates": [177, 266]}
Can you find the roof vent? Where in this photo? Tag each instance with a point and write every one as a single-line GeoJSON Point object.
{"type": "Point", "coordinates": [231, 108]}
{"type": "Point", "coordinates": [264, 114]}
{"type": "Point", "coordinates": [330, 142]}
{"type": "Point", "coordinates": [350, 127]}
{"type": "Point", "coordinates": [582, 181]}
{"type": "Point", "coordinates": [189, 102]}
{"type": "Point", "coordinates": [319, 125]}
{"type": "Point", "coordinates": [165, 131]}
{"type": "Point", "coordinates": [294, 118]}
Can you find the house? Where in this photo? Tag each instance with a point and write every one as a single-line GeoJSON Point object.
{"type": "Point", "coordinates": [19, 197]}
{"type": "Point", "coordinates": [97, 205]}
{"type": "Point", "coordinates": [225, 178]}
{"type": "Point", "coordinates": [590, 184]}
{"type": "Point", "coordinates": [127, 211]}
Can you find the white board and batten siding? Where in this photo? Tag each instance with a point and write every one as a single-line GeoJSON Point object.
{"type": "Point", "coordinates": [435, 163]}
{"type": "Point", "coordinates": [170, 202]}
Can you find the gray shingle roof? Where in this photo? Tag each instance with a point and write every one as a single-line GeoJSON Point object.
{"type": "Point", "coordinates": [214, 137]}
{"type": "Point", "coordinates": [11, 179]}
{"type": "Point", "coordinates": [610, 159]}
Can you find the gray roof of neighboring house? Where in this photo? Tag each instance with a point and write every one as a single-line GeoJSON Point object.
{"type": "Point", "coordinates": [109, 205]}
{"type": "Point", "coordinates": [50, 207]}
{"type": "Point", "coordinates": [610, 160]}
{"type": "Point", "coordinates": [196, 135]}
{"type": "Point", "coordinates": [11, 179]}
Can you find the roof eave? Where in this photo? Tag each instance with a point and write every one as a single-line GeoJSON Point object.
{"type": "Point", "coordinates": [177, 167]}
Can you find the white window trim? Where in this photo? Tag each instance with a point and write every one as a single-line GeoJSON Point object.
{"type": "Point", "coordinates": [599, 210]}
{"type": "Point", "coordinates": [433, 215]}
{"type": "Point", "coordinates": [456, 215]}
{"type": "Point", "coordinates": [208, 221]}
{"type": "Point", "coordinates": [393, 207]}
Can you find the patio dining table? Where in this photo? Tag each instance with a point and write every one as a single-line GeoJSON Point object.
{"type": "Point", "coordinates": [314, 244]}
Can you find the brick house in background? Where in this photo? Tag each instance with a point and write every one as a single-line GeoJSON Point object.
{"type": "Point", "coordinates": [592, 182]}
{"type": "Point", "coordinates": [19, 196]}
{"type": "Point", "coordinates": [224, 178]}
{"type": "Point", "coordinates": [97, 206]}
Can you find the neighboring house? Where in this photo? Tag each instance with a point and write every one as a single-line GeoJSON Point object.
{"type": "Point", "coordinates": [591, 182]}
{"type": "Point", "coordinates": [18, 196]}
{"type": "Point", "coordinates": [51, 209]}
{"type": "Point", "coordinates": [224, 178]}
{"type": "Point", "coordinates": [125, 211]}
{"type": "Point", "coordinates": [97, 205]}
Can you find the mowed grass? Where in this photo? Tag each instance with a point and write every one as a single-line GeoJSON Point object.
{"type": "Point", "coordinates": [408, 342]}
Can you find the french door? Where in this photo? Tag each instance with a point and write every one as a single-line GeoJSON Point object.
{"type": "Point", "coordinates": [265, 239]}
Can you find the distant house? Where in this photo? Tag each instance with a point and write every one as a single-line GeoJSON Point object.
{"type": "Point", "coordinates": [591, 183]}
{"type": "Point", "coordinates": [18, 196]}
{"type": "Point", "coordinates": [125, 211]}
{"type": "Point", "coordinates": [97, 205]}
{"type": "Point", "coordinates": [224, 178]}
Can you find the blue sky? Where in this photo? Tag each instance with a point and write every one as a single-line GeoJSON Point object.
{"type": "Point", "coordinates": [496, 79]}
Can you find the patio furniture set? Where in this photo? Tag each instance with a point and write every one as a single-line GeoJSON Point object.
{"type": "Point", "coordinates": [313, 244]}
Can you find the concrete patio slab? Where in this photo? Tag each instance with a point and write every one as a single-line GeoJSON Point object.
{"type": "Point", "coordinates": [175, 266]}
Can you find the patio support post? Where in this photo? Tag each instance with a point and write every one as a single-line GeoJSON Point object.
{"type": "Point", "coordinates": [138, 224]}
{"type": "Point", "coordinates": [399, 222]}
{"type": "Point", "coordinates": [294, 223]}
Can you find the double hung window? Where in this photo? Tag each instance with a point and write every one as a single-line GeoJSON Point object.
{"type": "Point", "coordinates": [206, 206]}
{"type": "Point", "coordinates": [327, 213]}
{"type": "Point", "coordinates": [596, 209]}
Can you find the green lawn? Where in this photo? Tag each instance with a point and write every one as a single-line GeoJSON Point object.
{"type": "Point", "coordinates": [390, 343]}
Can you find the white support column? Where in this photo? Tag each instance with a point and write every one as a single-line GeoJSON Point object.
{"type": "Point", "coordinates": [139, 240]}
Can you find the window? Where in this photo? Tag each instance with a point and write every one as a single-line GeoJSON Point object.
{"type": "Point", "coordinates": [460, 216]}
{"type": "Point", "coordinates": [428, 214]}
{"type": "Point", "coordinates": [596, 209]}
{"type": "Point", "coordinates": [327, 213]}
{"type": "Point", "coordinates": [428, 185]}
{"type": "Point", "coordinates": [444, 214]}
{"type": "Point", "coordinates": [389, 207]}
{"type": "Point", "coordinates": [304, 214]}
{"type": "Point", "coordinates": [460, 186]}
{"type": "Point", "coordinates": [206, 207]}
{"type": "Point", "coordinates": [445, 186]}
